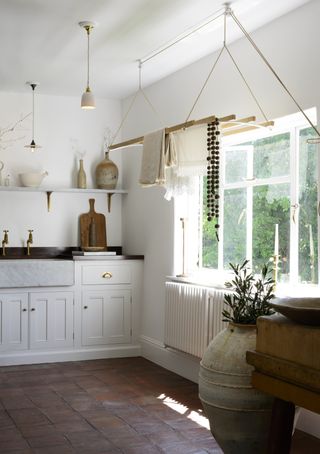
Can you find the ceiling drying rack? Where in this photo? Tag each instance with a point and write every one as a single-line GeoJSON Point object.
{"type": "Point", "coordinates": [229, 124]}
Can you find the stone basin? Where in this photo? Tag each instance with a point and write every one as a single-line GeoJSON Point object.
{"type": "Point", "coordinates": [39, 272]}
{"type": "Point", "coordinates": [304, 310]}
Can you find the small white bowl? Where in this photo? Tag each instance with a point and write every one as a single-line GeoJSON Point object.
{"type": "Point", "coordinates": [32, 179]}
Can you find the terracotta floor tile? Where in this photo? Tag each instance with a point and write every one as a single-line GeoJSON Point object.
{"type": "Point", "coordinates": [145, 449]}
{"type": "Point", "coordinates": [7, 433]}
{"type": "Point", "coordinates": [166, 438]}
{"type": "Point", "coordinates": [48, 441]}
{"type": "Point", "coordinates": [13, 444]}
{"type": "Point", "coordinates": [93, 446]}
{"type": "Point", "coordinates": [13, 403]}
{"type": "Point", "coordinates": [108, 423]}
{"type": "Point", "coordinates": [123, 435]}
{"type": "Point", "coordinates": [128, 441]}
{"type": "Point", "coordinates": [54, 450]}
{"type": "Point", "coordinates": [31, 431]}
{"type": "Point", "coordinates": [183, 448]}
{"type": "Point", "coordinates": [27, 416]}
{"type": "Point", "coordinates": [77, 426]}
{"type": "Point", "coordinates": [61, 414]}
{"type": "Point", "coordinates": [5, 420]}
{"type": "Point", "coordinates": [109, 406]}
{"type": "Point", "coordinates": [150, 427]}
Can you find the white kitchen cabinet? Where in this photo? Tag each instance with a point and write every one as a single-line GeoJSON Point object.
{"type": "Point", "coordinates": [106, 317]}
{"type": "Point", "coordinates": [96, 317]}
{"type": "Point", "coordinates": [36, 320]}
{"type": "Point", "coordinates": [51, 320]}
{"type": "Point", "coordinates": [13, 321]}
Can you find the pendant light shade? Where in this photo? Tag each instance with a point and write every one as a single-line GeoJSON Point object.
{"type": "Point", "coordinates": [87, 99]}
{"type": "Point", "coordinates": [33, 146]}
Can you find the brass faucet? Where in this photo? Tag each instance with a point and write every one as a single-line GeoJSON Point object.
{"type": "Point", "coordinates": [5, 241]}
{"type": "Point", "coordinates": [29, 241]}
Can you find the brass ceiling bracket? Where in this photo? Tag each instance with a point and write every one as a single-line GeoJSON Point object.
{"type": "Point", "coordinates": [110, 194]}
{"type": "Point", "coordinates": [49, 200]}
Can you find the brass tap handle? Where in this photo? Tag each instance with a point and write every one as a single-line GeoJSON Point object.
{"type": "Point", "coordinates": [5, 241]}
{"type": "Point", "coordinates": [29, 241]}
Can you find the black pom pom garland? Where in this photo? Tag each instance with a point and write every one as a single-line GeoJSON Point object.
{"type": "Point", "coordinates": [213, 173]}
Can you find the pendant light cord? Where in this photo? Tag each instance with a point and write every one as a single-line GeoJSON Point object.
{"type": "Point", "coordinates": [33, 86]}
{"type": "Point", "coordinates": [88, 55]}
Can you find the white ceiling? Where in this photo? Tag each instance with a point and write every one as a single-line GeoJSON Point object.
{"type": "Point", "coordinates": [41, 40]}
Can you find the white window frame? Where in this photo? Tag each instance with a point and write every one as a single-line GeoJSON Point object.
{"type": "Point", "coordinates": [292, 124]}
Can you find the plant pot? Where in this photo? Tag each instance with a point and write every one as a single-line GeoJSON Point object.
{"type": "Point", "coordinates": [239, 415]}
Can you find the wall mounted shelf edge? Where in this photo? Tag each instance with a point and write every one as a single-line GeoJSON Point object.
{"type": "Point", "coordinates": [49, 191]}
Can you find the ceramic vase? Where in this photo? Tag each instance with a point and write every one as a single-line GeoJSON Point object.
{"type": "Point", "coordinates": [106, 174]}
{"type": "Point", "coordinates": [82, 178]}
{"type": "Point", "coordinates": [239, 415]}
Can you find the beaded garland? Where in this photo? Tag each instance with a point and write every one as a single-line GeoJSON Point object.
{"type": "Point", "coordinates": [213, 173]}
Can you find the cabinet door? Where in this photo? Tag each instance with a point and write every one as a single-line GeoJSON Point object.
{"type": "Point", "coordinates": [106, 317]}
{"type": "Point", "coordinates": [51, 320]}
{"type": "Point", "coordinates": [13, 321]}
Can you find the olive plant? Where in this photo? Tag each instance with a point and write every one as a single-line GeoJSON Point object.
{"type": "Point", "coordinates": [249, 297]}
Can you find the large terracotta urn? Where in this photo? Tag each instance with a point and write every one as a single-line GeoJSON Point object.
{"type": "Point", "coordinates": [239, 415]}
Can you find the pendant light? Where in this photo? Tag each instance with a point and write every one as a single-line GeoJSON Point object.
{"type": "Point", "coordinates": [87, 100]}
{"type": "Point", "coordinates": [32, 145]}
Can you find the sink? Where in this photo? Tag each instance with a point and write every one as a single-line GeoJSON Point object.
{"type": "Point", "coordinates": [44, 272]}
{"type": "Point", "coordinates": [305, 310]}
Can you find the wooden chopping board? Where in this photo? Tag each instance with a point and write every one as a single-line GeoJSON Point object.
{"type": "Point", "coordinates": [93, 235]}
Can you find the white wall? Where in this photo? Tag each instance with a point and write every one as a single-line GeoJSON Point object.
{"type": "Point", "coordinates": [290, 43]}
{"type": "Point", "coordinates": [58, 121]}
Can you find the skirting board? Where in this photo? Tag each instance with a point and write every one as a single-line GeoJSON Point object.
{"type": "Point", "coordinates": [39, 357]}
{"type": "Point", "coordinates": [181, 363]}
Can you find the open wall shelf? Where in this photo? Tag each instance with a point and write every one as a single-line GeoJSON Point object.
{"type": "Point", "coordinates": [48, 191]}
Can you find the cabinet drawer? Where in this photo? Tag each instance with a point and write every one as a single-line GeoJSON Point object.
{"type": "Point", "coordinates": [105, 274]}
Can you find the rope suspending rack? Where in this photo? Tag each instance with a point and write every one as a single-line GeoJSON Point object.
{"type": "Point", "coordinates": [229, 124]}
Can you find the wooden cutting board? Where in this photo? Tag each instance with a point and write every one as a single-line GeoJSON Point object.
{"type": "Point", "coordinates": [93, 230]}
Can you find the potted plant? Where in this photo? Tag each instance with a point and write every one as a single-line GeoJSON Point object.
{"type": "Point", "coordinates": [250, 296]}
{"type": "Point", "coordinates": [239, 415]}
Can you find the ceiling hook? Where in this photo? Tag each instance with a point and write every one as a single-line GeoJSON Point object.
{"type": "Point", "coordinates": [228, 10]}
{"type": "Point", "coordinates": [140, 71]}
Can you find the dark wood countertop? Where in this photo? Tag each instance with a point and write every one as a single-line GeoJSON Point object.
{"type": "Point", "coordinates": [62, 253]}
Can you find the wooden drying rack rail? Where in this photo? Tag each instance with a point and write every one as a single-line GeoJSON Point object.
{"type": "Point", "coordinates": [230, 121]}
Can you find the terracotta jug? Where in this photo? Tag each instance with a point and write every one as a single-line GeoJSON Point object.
{"type": "Point", "coordinates": [106, 173]}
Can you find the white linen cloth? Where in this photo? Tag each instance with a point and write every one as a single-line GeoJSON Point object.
{"type": "Point", "coordinates": [153, 159]}
{"type": "Point", "coordinates": [191, 146]}
{"type": "Point", "coordinates": [158, 152]}
{"type": "Point", "coordinates": [174, 160]}
{"type": "Point", "coordinates": [191, 158]}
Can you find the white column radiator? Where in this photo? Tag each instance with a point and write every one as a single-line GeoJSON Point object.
{"type": "Point", "coordinates": [192, 317]}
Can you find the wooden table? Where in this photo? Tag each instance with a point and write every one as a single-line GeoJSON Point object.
{"type": "Point", "coordinates": [287, 366]}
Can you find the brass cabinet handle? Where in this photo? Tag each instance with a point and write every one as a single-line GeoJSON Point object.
{"type": "Point", "coordinates": [85, 307]}
{"type": "Point", "coordinates": [107, 275]}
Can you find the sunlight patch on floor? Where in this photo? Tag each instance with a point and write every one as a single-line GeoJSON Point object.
{"type": "Point", "coordinates": [195, 416]}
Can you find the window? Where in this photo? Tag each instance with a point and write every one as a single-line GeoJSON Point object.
{"type": "Point", "coordinates": [269, 200]}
